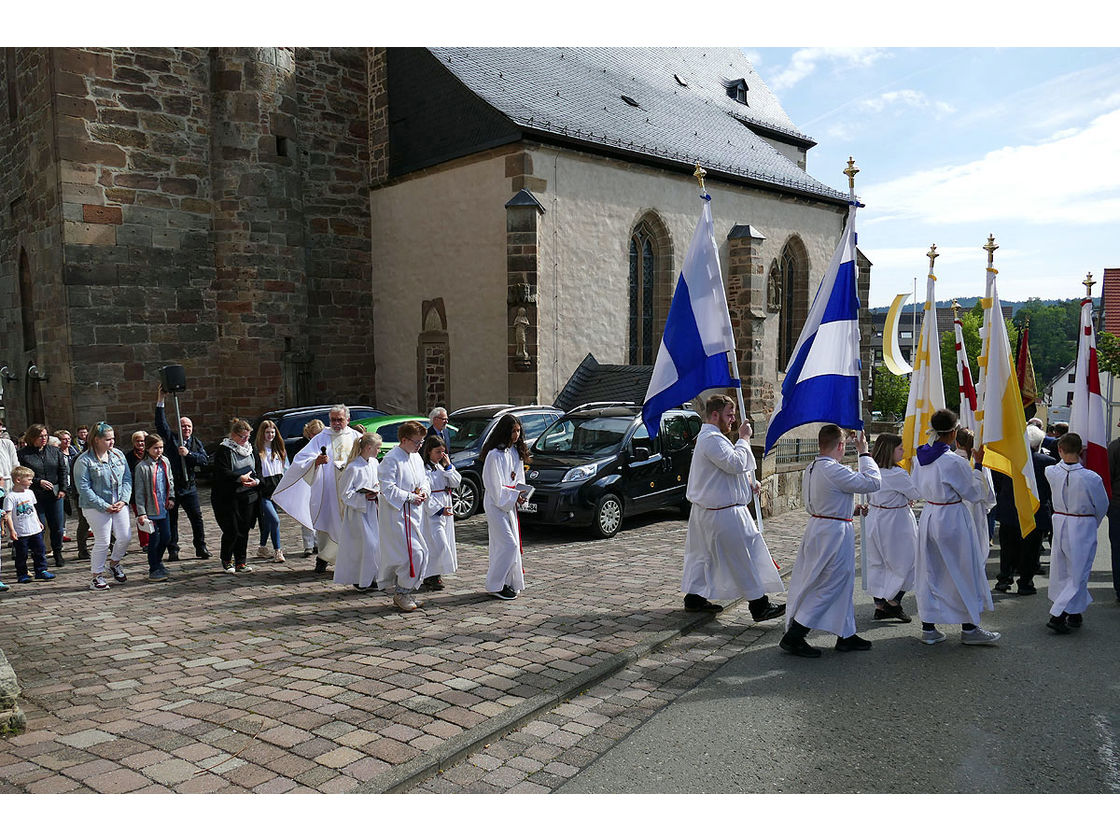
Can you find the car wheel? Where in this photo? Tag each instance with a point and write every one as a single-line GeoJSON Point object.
{"type": "Point", "coordinates": [608, 515]}
{"type": "Point", "coordinates": [466, 498]}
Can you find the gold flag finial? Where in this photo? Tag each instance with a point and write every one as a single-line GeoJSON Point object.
{"type": "Point", "coordinates": [933, 255]}
{"type": "Point", "coordinates": [956, 307]}
{"type": "Point", "coordinates": [1088, 284]}
{"type": "Point", "coordinates": [991, 249]}
{"type": "Point", "coordinates": [699, 176]}
{"type": "Point", "coordinates": [851, 172]}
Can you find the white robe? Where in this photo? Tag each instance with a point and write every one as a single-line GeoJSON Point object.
{"type": "Point", "coordinates": [892, 535]}
{"type": "Point", "coordinates": [952, 583]}
{"type": "Point", "coordinates": [724, 554]}
{"type": "Point", "coordinates": [439, 528]}
{"type": "Point", "coordinates": [404, 551]}
{"type": "Point", "coordinates": [359, 550]}
{"type": "Point", "coordinates": [501, 473]}
{"type": "Point", "coordinates": [824, 576]}
{"type": "Point", "coordinates": [1074, 490]}
{"type": "Point", "coordinates": [979, 510]}
{"type": "Point", "coordinates": [312, 494]}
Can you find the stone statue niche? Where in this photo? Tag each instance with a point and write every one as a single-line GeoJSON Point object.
{"type": "Point", "coordinates": [521, 325]}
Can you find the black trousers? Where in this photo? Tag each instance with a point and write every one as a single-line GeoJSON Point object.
{"type": "Point", "coordinates": [236, 515]}
{"type": "Point", "coordinates": [1018, 554]}
{"type": "Point", "coordinates": [188, 502]}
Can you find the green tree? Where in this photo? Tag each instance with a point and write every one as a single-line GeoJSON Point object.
{"type": "Point", "coordinates": [889, 394]}
{"type": "Point", "coordinates": [1108, 352]}
{"type": "Point", "coordinates": [1053, 335]}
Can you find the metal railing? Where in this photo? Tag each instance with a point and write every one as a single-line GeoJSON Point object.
{"type": "Point", "coordinates": [795, 451]}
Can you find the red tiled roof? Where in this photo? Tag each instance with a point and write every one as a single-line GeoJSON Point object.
{"type": "Point", "coordinates": [1110, 300]}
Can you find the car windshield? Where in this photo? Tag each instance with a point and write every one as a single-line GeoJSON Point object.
{"type": "Point", "coordinates": [388, 432]}
{"type": "Point", "coordinates": [468, 432]}
{"type": "Point", "coordinates": [591, 436]}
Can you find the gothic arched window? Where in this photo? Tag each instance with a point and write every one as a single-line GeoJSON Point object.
{"type": "Point", "coordinates": [643, 275]}
{"type": "Point", "coordinates": [792, 270]}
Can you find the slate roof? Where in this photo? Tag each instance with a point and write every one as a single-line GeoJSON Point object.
{"type": "Point", "coordinates": [577, 94]}
{"type": "Point", "coordinates": [595, 382]}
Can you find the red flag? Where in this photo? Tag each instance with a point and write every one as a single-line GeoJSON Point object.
{"type": "Point", "coordinates": [1087, 412]}
{"type": "Point", "coordinates": [1024, 369]}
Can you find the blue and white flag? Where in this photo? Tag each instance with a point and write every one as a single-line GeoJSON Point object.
{"type": "Point", "coordinates": [822, 381]}
{"type": "Point", "coordinates": [693, 352]}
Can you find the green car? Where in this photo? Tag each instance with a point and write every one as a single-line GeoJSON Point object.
{"type": "Point", "coordinates": [387, 427]}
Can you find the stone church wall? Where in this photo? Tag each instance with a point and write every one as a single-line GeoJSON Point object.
{"type": "Point", "coordinates": [211, 216]}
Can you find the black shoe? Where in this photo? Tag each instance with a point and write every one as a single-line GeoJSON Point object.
{"type": "Point", "coordinates": [1002, 586]}
{"type": "Point", "coordinates": [173, 555]}
{"type": "Point", "coordinates": [118, 573]}
{"type": "Point", "coordinates": [1026, 589]}
{"type": "Point", "coordinates": [320, 565]}
{"type": "Point", "coordinates": [59, 561]}
{"type": "Point", "coordinates": [202, 553]}
{"type": "Point", "coordinates": [1074, 620]}
{"type": "Point", "coordinates": [433, 583]}
{"type": "Point", "coordinates": [881, 614]}
{"type": "Point", "coordinates": [897, 613]}
{"type": "Point", "coordinates": [506, 593]}
{"type": "Point", "coordinates": [1058, 625]}
{"type": "Point", "coordinates": [698, 603]}
{"type": "Point", "coordinates": [798, 647]}
{"type": "Point", "coordinates": [771, 611]}
{"type": "Point", "coordinates": [83, 555]}
{"type": "Point", "coordinates": [850, 643]}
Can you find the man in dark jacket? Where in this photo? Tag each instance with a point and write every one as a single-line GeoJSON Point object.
{"type": "Point", "coordinates": [186, 454]}
{"type": "Point", "coordinates": [1018, 553]}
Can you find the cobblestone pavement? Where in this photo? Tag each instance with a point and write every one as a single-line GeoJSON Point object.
{"type": "Point", "coordinates": [279, 680]}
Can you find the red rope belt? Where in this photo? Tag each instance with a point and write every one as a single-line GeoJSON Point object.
{"type": "Point", "coordinates": [408, 537]}
{"type": "Point", "coordinates": [1063, 513]}
{"type": "Point", "coordinates": [943, 504]}
{"type": "Point", "coordinates": [889, 507]}
{"type": "Point", "coordinates": [837, 518]}
{"type": "Point", "coordinates": [725, 507]}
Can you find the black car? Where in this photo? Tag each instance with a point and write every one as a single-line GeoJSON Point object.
{"type": "Point", "coordinates": [598, 464]}
{"type": "Point", "coordinates": [290, 421]}
{"type": "Point", "coordinates": [472, 427]}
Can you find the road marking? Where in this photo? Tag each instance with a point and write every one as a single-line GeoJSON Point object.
{"type": "Point", "coordinates": [1108, 752]}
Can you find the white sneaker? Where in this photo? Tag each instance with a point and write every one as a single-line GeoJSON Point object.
{"type": "Point", "coordinates": [932, 637]}
{"type": "Point", "coordinates": [279, 558]}
{"type": "Point", "coordinates": [404, 602]}
{"type": "Point", "coordinates": [264, 552]}
{"type": "Point", "coordinates": [979, 636]}
{"type": "Point", "coordinates": [99, 583]}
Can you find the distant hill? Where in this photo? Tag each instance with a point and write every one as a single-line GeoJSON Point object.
{"type": "Point", "coordinates": [969, 302]}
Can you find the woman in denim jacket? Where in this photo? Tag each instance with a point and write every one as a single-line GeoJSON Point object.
{"type": "Point", "coordinates": [104, 489]}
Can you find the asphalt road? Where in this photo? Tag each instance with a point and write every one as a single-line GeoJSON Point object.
{"type": "Point", "coordinates": [1037, 713]}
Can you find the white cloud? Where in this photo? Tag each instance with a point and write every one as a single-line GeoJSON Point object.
{"type": "Point", "coordinates": [804, 62]}
{"type": "Point", "coordinates": [754, 57]}
{"type": "Point", "coordinates": [906, 98]}
{"type": "Point", "coordinates": [1071, 179]}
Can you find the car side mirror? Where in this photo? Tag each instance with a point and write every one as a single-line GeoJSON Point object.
{"type": "Point", "coordinates": [641, 453]}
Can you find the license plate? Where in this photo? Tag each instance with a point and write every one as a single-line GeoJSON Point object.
{"type": "Point", "coordinates": [528, 507]}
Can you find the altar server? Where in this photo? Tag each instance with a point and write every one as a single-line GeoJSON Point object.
{"type": "Point", "coordinates": [359, 548]}
{"type": "Point", "coordinates": [504, 457]}
{"type": "Point", "coordinates": [823, 579]}
{"type": "Point", "coordinates": [724, 554]}
{"type": "Point", "coordinates": [440, 521]}
{"type": "Point", "coordinates": [1080, 503]}
{"type": "Point", "coordinates": [404, 490]}
{"type": "Point", "coordinates": [891, 532]}
{"type": "Point", "coordinates": [952, 584]}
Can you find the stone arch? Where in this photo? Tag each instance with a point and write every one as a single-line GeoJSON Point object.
{"type": "Point", "coordinates": [649, 287]}
{"type": "Point", "coordinates": [793, 275]}
{"type": "Point", "coordinates": [433, 357]}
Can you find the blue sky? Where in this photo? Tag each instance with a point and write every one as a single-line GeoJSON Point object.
{"type": "Point", "coordinates": [957, 143]}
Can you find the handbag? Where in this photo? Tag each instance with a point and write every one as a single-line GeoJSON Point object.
{"type": "Point", "coordinates": [267, 485]}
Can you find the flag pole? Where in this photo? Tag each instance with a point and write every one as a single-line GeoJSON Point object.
{"type": "Point", "coordinates": [699, 174]}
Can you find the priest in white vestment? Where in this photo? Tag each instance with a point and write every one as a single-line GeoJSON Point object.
{"type": "Point", "coordinates": [359, 545]}
{"type": "Point", "coordinates": [311, 490]}
{"type": "Point", "coordinates": [824, 576]}
{"type": "Point", "coordinates": [725, 556]}
{"type": "Point", "coordinates": [401, 514]}
{"type": "Point", "coordinates": [1080, 503]}
{"type": "Point", "coordinates": [952, 583]}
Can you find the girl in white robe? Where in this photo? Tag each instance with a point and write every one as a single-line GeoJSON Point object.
{"type": "Point", "coordinates": [1080, 503]}
{"type": "Point", "coordinates": [891, 532]}
{"type": "Point", "coordinates": [359, 543]}
{"type": "Point", "coordinates": [952, 583]}
{"type": "Point", "coordinates": [439, 525]}
{"type": "Point", "coordinates": [504, 458]}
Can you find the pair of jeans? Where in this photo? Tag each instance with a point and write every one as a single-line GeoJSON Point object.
{"type": "Point", "coordinates": [188, 503]}
{"type": "Point", "coordinates": [158, 541]}
{"type": "Point", "coordinates": [268, 520]}
{"type": "Point", "coordinates": [38, 550]}
{"type": "Point", "coordinates": [50, 511]}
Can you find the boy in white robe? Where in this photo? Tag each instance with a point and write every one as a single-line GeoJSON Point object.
{"type": "Point", "coordinates": [400, 507]}
{"type": "Point", "coordinates": [310, 491]}
{"type": "Point", "coordinates": [724, 553]}
{"type": "Point", "coordinates": [952, 583]}
{"type": "Point", "coordinates": [1080, 503]}
{"type": "Point", "coordinates": [358, 542]}
{"type": "Point", "coordinates": [891, 532]}
{"type": "Point", "coordinates": [439, 524]}
{"type": "Point", "coordinates": [824, 576]}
